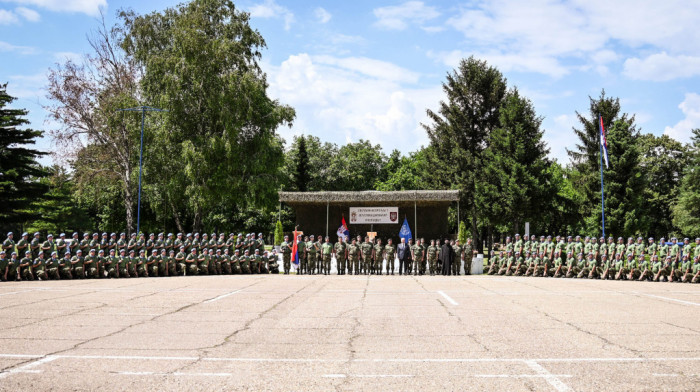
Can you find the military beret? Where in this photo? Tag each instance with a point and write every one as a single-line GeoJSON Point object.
{"type": "Point", "coordinates": [28, 252]}
{"type": "Point", "coordinates": [79, 252]}
{"type": "Point", "coordinates": [25, 233]}
{"type": "Point", "coordinates": [37, 234]}
{"type": "Point", "coordinates": [62, 235]}
{"type": "Point", "coordinates": [101, 252]}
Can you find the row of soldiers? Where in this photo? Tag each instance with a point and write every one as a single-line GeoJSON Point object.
{"type": "Point", "coordinates": [371, 256]}
{"type": "Point", "coordinates": [118, 258]}
{"type": "Point", "coordinates": [588, 258]}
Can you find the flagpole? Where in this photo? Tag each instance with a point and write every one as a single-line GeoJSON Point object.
{"type": "Point", "coordinates": [602, 188]}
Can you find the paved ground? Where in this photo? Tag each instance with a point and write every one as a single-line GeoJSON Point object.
{"type": "Point", "coordinates": [349, 333]}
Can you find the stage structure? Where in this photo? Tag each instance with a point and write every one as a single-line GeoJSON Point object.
{"type": "Point", "coordinates": [372, 211]}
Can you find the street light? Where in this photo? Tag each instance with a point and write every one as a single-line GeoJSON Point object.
{"type": "Point", "coordinates": [143, 110]}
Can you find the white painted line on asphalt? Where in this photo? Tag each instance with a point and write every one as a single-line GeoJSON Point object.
{"type": "Point", "coordinates": [670, 299]}
{"type": "Point", "coordinates": [447, 297]}
{"type": "Point", "coordinates": [28, 367]}
{"type": "Point", "coordinates": [331, 360]}
{"type": "Point", "coordinates": [368, 375]}
{"type": "Point", "coordinates": [519, 375]}
{"type": "Point", "coordinates": [549, 377]}
{"type": "Point", "coordinates": [223, 296]}
{"type": "Point", "coordinates": [204, 374]}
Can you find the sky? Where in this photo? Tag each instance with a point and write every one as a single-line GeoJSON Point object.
{"type": "Point", "coordinates": [370, 69]}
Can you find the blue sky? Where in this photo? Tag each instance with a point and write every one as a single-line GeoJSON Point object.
{"type": "Point", "coordinates": [370, 69]}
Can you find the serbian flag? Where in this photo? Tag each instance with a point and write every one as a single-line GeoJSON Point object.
{"type": "Point", "coordinates": [295, 250]}
{"type": "Point", "coordinates": [343, 230]}
{"type": "Point", "coordinates": [603, 141]}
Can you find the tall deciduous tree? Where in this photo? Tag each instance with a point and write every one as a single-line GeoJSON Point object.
{"type": "Point", "coordinates": [19, 170]}
{"type": "Point", "coordinates": [92, 134]}
{"type": "Point", "coordinates": [686, 213]}
{"type": "Point", "coordinates": [219, 141]}
{"type": "Point", "coordinates": [459, 130]}
{"type": "Point", "coordinates": [662, 161]}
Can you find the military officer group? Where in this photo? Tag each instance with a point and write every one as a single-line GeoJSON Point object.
{"type": "Point", "coordinates": [111, 257]}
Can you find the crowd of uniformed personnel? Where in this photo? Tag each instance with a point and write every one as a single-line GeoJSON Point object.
{"type": "Point", "coordinates": [111, 257]}
{"type": "Point", "coordinates": [372, 257]}
{"type": "Point", "coordinates": [597, 259]}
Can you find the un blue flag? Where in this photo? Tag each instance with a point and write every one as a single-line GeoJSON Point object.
{"type": "Point", "coordinates": [405, 231]}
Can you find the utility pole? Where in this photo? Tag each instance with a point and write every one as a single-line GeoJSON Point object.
{"type": "Point", "coordinates": [143, 110]}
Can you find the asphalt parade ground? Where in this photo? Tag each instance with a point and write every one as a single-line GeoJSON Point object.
{"type": "Point", "coordinates": [349, 333]}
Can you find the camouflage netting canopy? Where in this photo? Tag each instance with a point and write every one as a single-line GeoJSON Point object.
{"type": "Point", "coordinates": [370, 197]}
{"type": "Point", "coordinates": [321, 212]}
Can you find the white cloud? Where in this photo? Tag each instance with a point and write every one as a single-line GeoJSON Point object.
{"type": "Point", "coordinates": [270, 9]}
{"type": "Point", "coordinates": [691, 109]}
{"type": "Point", "coordinates": [28, 14]}
{"type": "Point", "coordinates": [8, 17]}
{"type": "Point", "coordinates": [398, 17]}
{"type": "Point", "coordinates": [369, 67]}
{"type": "Point", "coordinates": [7, 47]}
{"type": "Point", "coordinates": [89, 7]}
{"type": "Point", "coordinates": [559, 135]}
{"type": "Point", "coordinates": [661, 67]}
{"type": "Point", "coordinates": [347, 99]}
{"type": "Point", "coordinates": [577, 34]}
{"type": "Point", "coordinates": [322, 15]}
{"type": "Point", "coordinates": [507, 62]}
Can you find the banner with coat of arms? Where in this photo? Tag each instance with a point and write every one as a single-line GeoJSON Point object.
{"type": "Point", "coordinates": [374, 215]}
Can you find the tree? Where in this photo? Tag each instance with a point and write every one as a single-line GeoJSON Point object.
{"type": "Point", "coordinates": [686, 212]}
{"type": "Point", "coordinates": [585, 157]}
{"type": "Point", "coordinates": [408, 172]}
{"type": "Point", "coordinates": [301, 172]}
{"type": "Point", "coordinates": [516, 184]}
{"type": "Point", "coordinates": [460, 129]}
{"type": "Point", "coordinates": [219, 141]}
{"type": "Point", "coordinates": [662, 160]}
{"type": "Point", "coordinates": [624, 184]}
{"type": "Point", "coordinates": [358, 167]}
{"type": "Point", "coordinates": [57, 210]}
{"type": "Point", "coordinates": [19, 171]}
{"type": "Point", "coordinates": [279, 233]}
{"type": "Point", "coordinates": [85, 99]}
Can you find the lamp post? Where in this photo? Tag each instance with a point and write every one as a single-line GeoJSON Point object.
{"type": "Point", "coordinates": [143, 110]}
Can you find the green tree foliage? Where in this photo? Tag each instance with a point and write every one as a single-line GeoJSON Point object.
{"type": "Point", "coordinates": [218, 145]}
{"type": "Point", "coordinates": [319, 156]}
{"type": "Point", "coordinates": [407, 172]}
{"type": "Point", "coordinates": [279, 233]}
{"type": "Point", "coordinates": [624, 184]}
{"type": "Point", "coordinates": [358, 166]}
{"type": "Point", "coordinates": [57, 211]}
{"type": "Point", "coordinates": [563, 216]}
{"type": "Point", "coordinates": [686, 213]}
{"type": "Point", "coordinates": [85, 99]}
{"type": "Point", "coordinates": [516, 184]}
{"type": "Point", "coordinates": [301, 167]}
{"type": "Point", "coordinates": [460, 129]}
{"type": "Point", "coordinates": [585, 156]}
{"type": "Point", "coordinates": [463, 234]}
{"type": "Point", "coordinates": [19, 170]}
{"type": "Point", "coordinates": [662, 161]}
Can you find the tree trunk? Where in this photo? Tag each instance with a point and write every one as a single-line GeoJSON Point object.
{"type": "Point", "coordinates": [177, 219]}
{"type": "Point", "coordinates": [128, 201]}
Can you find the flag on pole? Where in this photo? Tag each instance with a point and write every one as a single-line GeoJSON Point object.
{"type": "Point", "coordinates": [295, 249]}
{"type": "Point", "coordinates": [603, 141]}
{"type": "Point", "coordinates": [405, 231]}
{"type": "Point", "coordinates": [343, 230]}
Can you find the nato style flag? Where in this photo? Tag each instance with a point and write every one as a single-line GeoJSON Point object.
{"type": "Point", "coordinates": [343, 230]}
{"type": "Point", "coordinates": [405, 231]}
{"type": "Point", "coordinates": [603, 141]}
